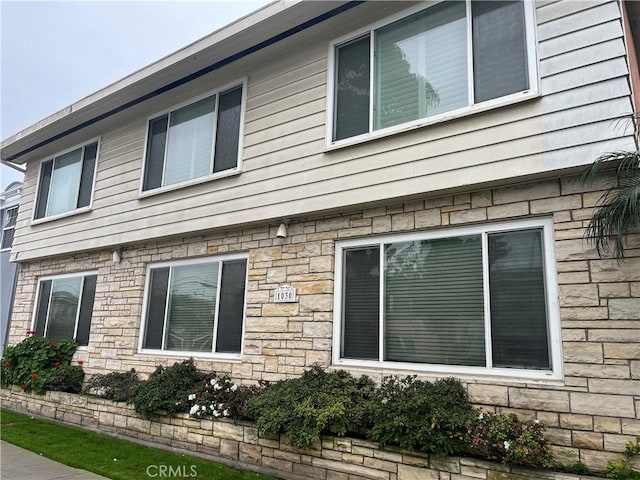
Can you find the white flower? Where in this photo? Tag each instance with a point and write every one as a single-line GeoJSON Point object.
{"type": "Point", "coordinates": [225, 413]}
{"type": "Point", "coordinates": [203, 408]}
{"type": "Point", "coordinates": [212, 407]}
{"type": "Point", "coordinates": [506, 445]}
{"type": "Point", "coordinates": [234, 387]}
{"type": "Point", "coordinates": [536, 421]}
{"type": "Point", "coordinates": [481, 416]}
{"type": "Point", "coordinates": [212, 381]}
{"type": "Point", "coordinates": [216, 413]}
{"type": "Point", "coordinates": [192, 396]}
{"type": "Point", "coordinates": [385, 400]}
{"type": "Point", "coordinates": [217, 386]}
{"type": "Point", "coordinates": [220, 406]}
{"type": "Point", "coordinates": [194, 409]}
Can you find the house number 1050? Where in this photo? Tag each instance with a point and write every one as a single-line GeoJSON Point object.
{"type": "Point", "coordinates": [284, 294]}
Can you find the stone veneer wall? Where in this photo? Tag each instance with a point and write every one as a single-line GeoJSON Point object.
{"type": "Point", "coordinates": [332, 458]}
{"type": "Point", "coordinates": [592, 413]}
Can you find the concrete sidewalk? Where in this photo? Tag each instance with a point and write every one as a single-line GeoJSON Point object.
{"type": "Point", "coordinates": [19, 464]}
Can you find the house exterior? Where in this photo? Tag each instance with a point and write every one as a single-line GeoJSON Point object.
{"type": "Point", "coordinates": [382, 187]}
{"type": "Point", "coordinates": [9, 201]}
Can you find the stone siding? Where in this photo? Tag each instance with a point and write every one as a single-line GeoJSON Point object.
{"type": "Point", "coordinates": [332, 458]}
{"type": "Point", "coordinates": [592, 412]}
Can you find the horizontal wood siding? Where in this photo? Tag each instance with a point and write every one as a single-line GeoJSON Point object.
{"type": "Point", "coordinates": [287, 172]}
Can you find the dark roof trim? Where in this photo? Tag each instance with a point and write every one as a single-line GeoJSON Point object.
{"type": "Point", "coordinates": [225, 61]}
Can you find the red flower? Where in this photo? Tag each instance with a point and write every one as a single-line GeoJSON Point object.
{"type": "Point", "coordinates": [57, 364]}
{"type": "Point", "coordinates": [80, 362]}
{"type": "Point", "coordinates": [53, 344]}
{"type": "Point", "coordinates": [31, 332]}
{"type": "Point", "coordinates": [9, 364]}
{"type": "Point", "coordinates": [33, 376]}
{"type": "Point", "coordinates": [23, 386]}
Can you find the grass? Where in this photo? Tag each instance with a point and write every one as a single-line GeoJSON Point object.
{"type": "Point", "coordinates": [105, 455]}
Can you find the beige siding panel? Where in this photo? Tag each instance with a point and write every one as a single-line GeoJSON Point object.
{"type": "Point", "coordinates": [555, 10]}
{"type": "Point", "coordinates": [290, 115]}
{"type": "Point", "coordinates": [285, 129]}
{"type": "Point", "coordinates": [387, 167]}
{"type": "Point", "coordinates": [592, 73]}
{"type": "Point", "coordinates": [304, 80]}
{"type": "Point", "coordinates": [285, 103]}
{"type": "Point", "coordinates": [581, 39]}
{"type": "Point", "coordinates": [580, 58]}
{"type": "Point", "coordinates": [264, 211]}
{"type": "Point", "coordinates": [579, 20]}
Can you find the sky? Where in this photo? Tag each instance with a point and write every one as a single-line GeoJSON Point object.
{"type": "Point", "coordinates": [54, 53]}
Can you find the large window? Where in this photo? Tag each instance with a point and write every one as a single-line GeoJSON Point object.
{"type": "Point", "coordinates": [64, 307]}
{"type": "Point", "coordinates": [9, 217]}
{"type": "Point", "coordinates": [196, 306]}
{"type": "Point", "coordinates": [194, 141]}
{"type": "Point", "coordinates": [452, 57]}
{"type": "Point", "coordinates": [463, 300]}
{"type": "Point", "coordinates": [66, 182]}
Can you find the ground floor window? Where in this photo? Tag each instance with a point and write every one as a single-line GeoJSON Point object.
{"type": "Point", "coordinates": [473, 299]}
{"type": "Point", "coordinates": [64, 306]}
{"type": "Point", "coordinates": [195, 306]}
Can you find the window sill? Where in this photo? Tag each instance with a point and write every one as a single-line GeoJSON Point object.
{"type": "Point", "coordinates": [425, 122]}
{"type": "Point", "coordinates": [466, 373]}
{"type": "Point", "coordinates": [70, 213]}
{"type": "Point", "coordinates": [189, 183]}
{"type": "Point", "coordinates": [225, 357]}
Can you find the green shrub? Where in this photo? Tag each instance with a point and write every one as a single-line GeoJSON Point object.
{"type": "Point", "coordinates": [317, 403]}
{"type": "Point", "coordinates": [117, 386]}
{"type": "Point", "coordinates": [419, 415]}
{"type": "Point", "coordinates": [168, 389]}
{"type": "Point", "coordinates": [65, 378]}
{"type": "Point", "coordinates": [621, 469]}
{"type": "Point", "coordinates": [504, 438]}
{"type": "Point", "coordinates": [31, 362]}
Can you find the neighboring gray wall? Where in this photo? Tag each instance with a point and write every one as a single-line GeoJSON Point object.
{"type": "Point", "coordinates": [287, 172]}
{"type": "Point", "coordinates": [8, 276]}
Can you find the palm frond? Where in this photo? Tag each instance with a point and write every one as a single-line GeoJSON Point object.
{"type": "Point", "coordinates": [619, 213]}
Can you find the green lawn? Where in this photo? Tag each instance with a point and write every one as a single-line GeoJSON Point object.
{"type": "Point", "coordinates": [108, 456]}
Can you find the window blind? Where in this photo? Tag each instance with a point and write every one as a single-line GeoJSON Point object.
{"type": "Point", "coordinates": [361, 332]}
{"type": "Point", "coordinates": [63, 309]}
{"type": "Point", "coordinates": [518, 307]}
{"type": "Point", "coordinates": [43, 188]}
{"type": "Point", "coordinates": [65, 181]}
{"type": "Point", "coordinates": [191, 307]}
{"type": "Point", "coordinates": [189, 143]}
{"type": "Point", "coordinates": [421, 65]}
{"type": "Point", "coordinates": [433, 302]}
{"type": "Point", "coordinates": [90, 152]}
{"type": "Point", "coordinates": [156, 143]}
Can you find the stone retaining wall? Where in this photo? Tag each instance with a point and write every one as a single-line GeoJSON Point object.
{"type": "Point", "coordinates": [240, 445]}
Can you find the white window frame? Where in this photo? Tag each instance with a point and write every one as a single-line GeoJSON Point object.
{"type": "Point", "coordinates": [532, 65]}
{"type": "Point", "coordinates": [551, 291]}
{"type": "Point", "coordinates": [6, 228]}
{"type": "Point", "coordinates": [185, 353]}
{"type": "Point", "coordinates": [75, 211]}
{"type": "Point", "coordinates": [205, 178]}
{"type": "Point", "coordinates": [82, 275]}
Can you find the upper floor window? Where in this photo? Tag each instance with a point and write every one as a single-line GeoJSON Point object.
{"type": "Point", "coordinates": [196, 306]}
{"type": "Point", "coordinates": [443, 60]}
{"type": "Point", "coordinates": [66, 181]}
{"type": "Point", "coordinates": [194, 141]}
{"type": "Point", "coordinates": [64, 307]}
{"type": "Point", "coordinates": [467, 300]}
{"type": "Point", "coordinates": [9, 218]}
